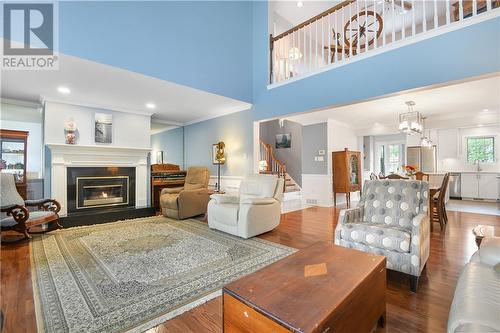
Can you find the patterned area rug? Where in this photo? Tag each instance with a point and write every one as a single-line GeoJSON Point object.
{"type": "Point", "coordinates": [132, 275]}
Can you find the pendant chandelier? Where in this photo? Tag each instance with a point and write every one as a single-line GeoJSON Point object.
{"type": "Point", "coordinates": [411, 122]}
{"type": "Point", "coordinates": [425, 141]}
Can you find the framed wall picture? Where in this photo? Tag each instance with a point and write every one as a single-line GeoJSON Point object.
{"type": "Point", "coordinates": [283, 140]}
{"type": "Point", "coordinates": [103, 128]}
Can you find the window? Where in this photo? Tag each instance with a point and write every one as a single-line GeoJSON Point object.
{"type": "Point", "coordinates": [390, 157]}
{"type": "Point", "coordinates": [394, 158]}
{"type": "Point", "coordinates": [381, 158]}
{"type": "Point", "coordinates": [481, 149]}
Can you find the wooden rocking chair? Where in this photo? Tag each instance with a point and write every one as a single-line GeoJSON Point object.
{"type": "Point", "coordinates": [19, 218]}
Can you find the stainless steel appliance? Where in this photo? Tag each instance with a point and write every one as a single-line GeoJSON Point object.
{"type": "Point", "coordinates": [455, 186]}
{"type": "Point", "coordinates": [423, 158]}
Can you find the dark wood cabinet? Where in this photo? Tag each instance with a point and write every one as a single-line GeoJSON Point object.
{"type": "Point", "coordinates": [13, 156]}
{"type": "Point", "coordinates": [346, 171]}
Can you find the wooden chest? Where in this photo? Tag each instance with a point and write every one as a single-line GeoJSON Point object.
{"type": "Point", "coordinates": [323, 288]}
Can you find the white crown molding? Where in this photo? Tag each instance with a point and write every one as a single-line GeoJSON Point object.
{"type": "Point", "coordinates": [248, 106]}
{"type": "Point", "coordinates": [98, 106]}
{"type": "Point", "coordinates": [163, 121]}
{"type": "Point", "coordinates": [88, 149]}
{"type": "Point", "coordinates": [164, 130]}
{"type": "Point", "coordinates": [18, 102]}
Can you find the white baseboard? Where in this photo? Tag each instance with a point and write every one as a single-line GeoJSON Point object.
{"type": "Point", "coordinates": [317, 190]}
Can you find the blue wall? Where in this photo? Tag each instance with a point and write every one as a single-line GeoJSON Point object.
{"type": "Point", "coordinates": [236, 130]}
{"type": "Point", "coordinates": [201, 44]}
{"type": "Point", "coordinates": [172, 144]}
{"type": "Point", "coordinates": [440, 59]}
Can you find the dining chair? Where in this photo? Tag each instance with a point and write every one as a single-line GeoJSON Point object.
{"type": "Point", "coordinates": [420, 176]}
{"type": "Point", "coordinates": [438, 213]}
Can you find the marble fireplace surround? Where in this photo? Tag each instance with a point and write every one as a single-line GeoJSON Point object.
{"type": "Point", "coordinates": [64, 156]}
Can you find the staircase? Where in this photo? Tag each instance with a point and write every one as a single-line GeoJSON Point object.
{"type": "Point", "coordinates": [275, 167]}
{"type": "Point", "coordinates": [290, 184]}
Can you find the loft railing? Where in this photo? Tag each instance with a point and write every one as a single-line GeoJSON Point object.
{"type": "Point", "coordinates": [357, 27]}
{"type": "Point", "coordinates": [273, 165]}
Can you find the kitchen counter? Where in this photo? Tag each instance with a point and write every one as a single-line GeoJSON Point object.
{"type": "Point", "coordinates": [481, 172]}
{"type": "Point", "coordinates": [473, 172]}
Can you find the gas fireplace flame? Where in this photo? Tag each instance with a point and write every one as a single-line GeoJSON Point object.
{"type": "Point", "coordinates": [104, 195]}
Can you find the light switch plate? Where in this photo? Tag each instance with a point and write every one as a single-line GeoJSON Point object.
{"type": "Point", "coordinates": [321, 152]}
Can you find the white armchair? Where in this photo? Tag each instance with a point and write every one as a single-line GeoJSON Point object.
{"type": "Point", "coordinates": [257, 208]}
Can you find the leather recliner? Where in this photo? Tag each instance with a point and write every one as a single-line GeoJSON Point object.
{"type": "Point", "coordinates": [189, 200]}
{"type": "Point", "coordinates": [476, 303]}
{"type": "Point", "coordinates": [257, 208]}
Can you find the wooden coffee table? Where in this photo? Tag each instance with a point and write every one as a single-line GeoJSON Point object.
{"type": "Point", "coordinates": [323, 288]}
{"type": "Point", "coordinates": [481, 231]}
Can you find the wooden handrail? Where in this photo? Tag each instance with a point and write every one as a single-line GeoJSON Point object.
{"type": "Point", "coordinates": [311, 20]}
{"type": "Point", "coordinates": [274, 166]}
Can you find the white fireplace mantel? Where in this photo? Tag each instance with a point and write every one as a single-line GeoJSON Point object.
{"type": "Point", "coordinates": [64, 156]}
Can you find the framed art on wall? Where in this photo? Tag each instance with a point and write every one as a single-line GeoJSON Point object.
{"type": "Point", "coordinates": [103, 128]}
{"type": "Point", "coordinates": [283, 140]}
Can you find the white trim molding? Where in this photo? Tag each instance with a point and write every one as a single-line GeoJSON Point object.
{"type": "Point", "coordinates": [64, 156]}
{"type": "Point", "coordinates": [230, 184]}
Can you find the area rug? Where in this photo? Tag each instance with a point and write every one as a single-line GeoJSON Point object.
{"type": "Point", "coordinates": [132, 275]}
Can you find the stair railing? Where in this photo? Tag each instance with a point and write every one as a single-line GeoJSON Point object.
{"type": "Point", "coordinates": [274, 166]}
{"type": "Point", "coordinates": [360, 28]}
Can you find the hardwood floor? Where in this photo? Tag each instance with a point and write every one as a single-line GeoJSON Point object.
{"type": "Point", "coordinates": [425, 311]}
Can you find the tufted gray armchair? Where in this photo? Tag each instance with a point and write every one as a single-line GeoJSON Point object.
{"type": "Point", "coordinates": [390, 220]}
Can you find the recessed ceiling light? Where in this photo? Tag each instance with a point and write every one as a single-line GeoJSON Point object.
{"type": "Point", "coordinates": [300, 4]}
{"type": "Point", "coordinates": [485, 110]}
{"type": "Point", "coordinates": [63, 90]}
{"type": "Point", "coordinates": [150, 105]}
{"type": "Point", "coordinates": [480, 125]}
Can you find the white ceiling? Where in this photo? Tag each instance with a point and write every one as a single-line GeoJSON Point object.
{"type": "Point", "coordinates": [101, 86]}
{"type": "Point", "coordinates": [458, 105]}
{"type": "Point", "coordinates": [295, 15]}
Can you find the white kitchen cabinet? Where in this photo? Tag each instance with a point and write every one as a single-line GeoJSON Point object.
{"type": "Point", "coordinates": [480, 185]}
{"type": "Point", "coordinates": [488, 186]}
{"type": "Point", "coordinates": [447, 143]}
{"type": "Point", "coordinates": [470, 188]}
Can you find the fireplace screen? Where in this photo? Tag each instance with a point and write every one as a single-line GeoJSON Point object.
{"type": "Point", "coordinates": [101, 191]}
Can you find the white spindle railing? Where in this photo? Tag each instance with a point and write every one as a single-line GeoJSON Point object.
{"type": "Point", "coordinates": [356, 27]}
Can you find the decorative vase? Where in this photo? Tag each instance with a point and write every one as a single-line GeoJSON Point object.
{"type": "Point", "coordinates": [70, 132]}
{"type": "Point", "coordinates": [70, 138]}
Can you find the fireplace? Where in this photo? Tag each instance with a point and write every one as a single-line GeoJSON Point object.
{"type": "Point", "coordinates": [100, 188]}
